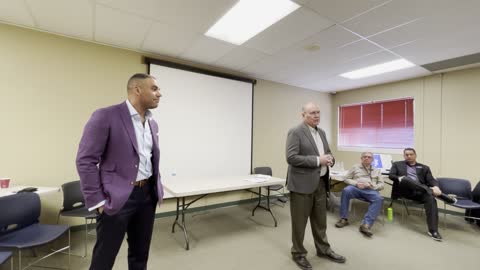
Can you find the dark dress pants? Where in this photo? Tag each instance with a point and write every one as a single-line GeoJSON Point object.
{"type": "Point", "coordinates": [313, 206]}
{"type": "Point", "coordinates": [136, 218]}
{"type": "Point", "coordinates": [416, 191]}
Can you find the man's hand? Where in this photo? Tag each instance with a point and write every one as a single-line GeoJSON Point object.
{"type": "Point", "coordinates": [100, 210]}
{"type": "Point", "coordinates": [361, 185]}
{"type": "Point", "coordinates": [326, 160]}
{"type": "Point", "coordinates": [436, 191]}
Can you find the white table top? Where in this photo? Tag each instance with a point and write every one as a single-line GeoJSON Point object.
{"type": "Point", "coordinates": [190, 186]}
{"type": "Point", "coordinates": [40, 190]}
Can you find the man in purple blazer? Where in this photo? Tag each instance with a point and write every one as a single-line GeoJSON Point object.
{"type": "Point", "coordinates": [118, 161]}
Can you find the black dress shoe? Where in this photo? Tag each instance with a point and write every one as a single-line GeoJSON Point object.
{"type": "Point", "coordinates": [302, 262]}
{"type": "Point", "coordinates": [450, 199]}
{"type": "Point", "coordinates": [333, 257]}
{"type": "Point", "coordinates": [435, 235]}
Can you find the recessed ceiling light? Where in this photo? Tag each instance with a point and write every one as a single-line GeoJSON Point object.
{"type": "Point", "coordinates": [378, 69]}
{"type": "Point", "coordinates": [248, 18]}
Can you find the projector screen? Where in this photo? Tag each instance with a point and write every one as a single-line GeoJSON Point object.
{"type": "Point", "coordinates": [205, 123]}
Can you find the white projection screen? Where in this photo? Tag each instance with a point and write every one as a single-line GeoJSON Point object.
{"type": "Point", "coordinates": [205, 123]}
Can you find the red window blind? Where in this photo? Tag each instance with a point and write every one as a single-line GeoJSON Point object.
{"type": "Point", "coordinates": [382, 124]}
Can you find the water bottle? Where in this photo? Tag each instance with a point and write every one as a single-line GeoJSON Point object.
{"type": "Point", "coordinates": [390, 214]}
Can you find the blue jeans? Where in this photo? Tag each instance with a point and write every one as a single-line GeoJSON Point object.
{"type": "Point", "coordinates": [368, 195]}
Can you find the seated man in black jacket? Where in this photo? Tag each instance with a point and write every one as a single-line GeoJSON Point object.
{"type": "Point", "coordinates": [414, 181]}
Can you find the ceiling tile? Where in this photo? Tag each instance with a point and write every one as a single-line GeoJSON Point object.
{"type": "Point", "coordinates": [197, 16]}
{"type": "Point", "coordinates": [75, 18]}
{"type": "Point", "coordinates": [425, 51]}
{"type": "Point", "coordinates": [16, 12]}
{"type": "Point", "coordinates": [356, 49]}
{"type": "Point", "coordinates": [239, 58]}
{"type": "Point", "coordinates": [366, 61]}
{"type": "Point", "coordinates": [434, 26]}
{"type": "Point", "coordinates": [292, 29]}
{"type": "Point", "coordinates": [337, 83]}
{"type": "Point", "coordinates": [119, 28]}
{"type": "Point", "coordinates": [392, 14]}
{"type": "Point", "coordinates": [206, 50]}
{"type": "Point", "coordinates": [169, 40]}
{"type": "Point", "coordinates": [341, 10]}
{"type": "Point", "coordinates": [265, 65]}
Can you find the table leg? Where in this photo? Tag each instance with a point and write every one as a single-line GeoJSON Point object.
{"type": "Point", "coordinates": [266, 208]}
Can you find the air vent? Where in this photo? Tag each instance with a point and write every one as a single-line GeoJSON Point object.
{"type": "Point", "coordinates": [453, 62]}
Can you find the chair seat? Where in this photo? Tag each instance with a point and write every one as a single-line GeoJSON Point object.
{"type": "Point", "coordinates": [4, 256]}
{"type": "Point", "coordinates": [467, 204]}
{"type": "Point", "coordinates": [79, 212]}
{"type": "Point", "coordinates": [32, 236]}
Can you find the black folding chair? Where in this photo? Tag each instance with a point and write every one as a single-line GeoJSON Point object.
{"type": "Point", "coordinates": [462, 190]}
{"type": "Point", "coordinates": [74, 206]}
{"type": "Point", "coordinates": [20, 228]}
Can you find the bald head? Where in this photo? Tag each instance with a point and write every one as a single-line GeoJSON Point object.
{"type": "Point", "coordinates": [311, 114]}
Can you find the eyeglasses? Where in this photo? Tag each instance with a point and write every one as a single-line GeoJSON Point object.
{"type": "Point", "coordinates": [366, 157]}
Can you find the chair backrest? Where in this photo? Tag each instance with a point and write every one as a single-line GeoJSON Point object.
{"type": "Point", "coordinates": [19, 211]}
{"type": "Point", "coordinates": [460, 187]}
{"type": "Point", "coordinates": [72, 196]}
{"type": "Point", "coordinates": [263, 170]}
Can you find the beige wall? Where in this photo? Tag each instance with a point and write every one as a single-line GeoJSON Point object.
{"type": "Point", "coordinates": [277, 108]}
{"type": "Point", "coordinates": [50, 85]}
{"type": "Point", "coordinates": [446, 111]}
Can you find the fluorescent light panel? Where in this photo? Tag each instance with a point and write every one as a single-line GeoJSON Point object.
{"type": "Point", "coordinates": [248, 18]}
{"type": "Point", "coordinates": [378, 69]}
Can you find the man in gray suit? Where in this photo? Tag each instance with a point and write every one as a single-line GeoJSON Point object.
{"type": "Point", "coordinates": [308, 157]}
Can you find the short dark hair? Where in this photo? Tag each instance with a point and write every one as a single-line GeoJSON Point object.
{"type": "Point", "coordinates": [136, 77]}
{"type": "Point", "coordinates": [409, 149]}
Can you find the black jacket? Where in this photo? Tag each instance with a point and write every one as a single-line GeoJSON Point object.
{"type": "Point", "coordinates": [399, 168]}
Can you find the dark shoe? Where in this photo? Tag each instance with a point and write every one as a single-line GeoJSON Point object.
{"type": "Point", "coordinates": [333, 257]}
{"type": "Point", "coordinates": [450, 199]}
{"type": "Point", "coordinates": [302, 262]}
{"type": "Point", "coordinates": [365, 229]}
{"type": "Point", "coordinates": [341, 223]}
{"type": "Point", "coordinates": [435, 235]}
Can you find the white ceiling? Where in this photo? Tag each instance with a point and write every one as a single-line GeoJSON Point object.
{"type": "Point", "coordinates": [309, 48]}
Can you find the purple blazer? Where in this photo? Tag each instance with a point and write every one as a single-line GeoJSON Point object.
{"type": "Point", "coordinates": [107, 158]}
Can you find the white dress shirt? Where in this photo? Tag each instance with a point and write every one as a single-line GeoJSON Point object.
{"type": "Point", "coordinates": [321, 150]}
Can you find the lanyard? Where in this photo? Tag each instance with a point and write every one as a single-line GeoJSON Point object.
{"type": "Point", "coordinates": [369, 172]}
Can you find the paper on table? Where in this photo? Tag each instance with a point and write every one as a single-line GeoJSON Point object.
{"type": "Point", "coordinates": [258, 178]}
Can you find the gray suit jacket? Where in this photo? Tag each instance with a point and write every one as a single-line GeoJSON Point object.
{"type": "Point", "coordinates": [303, 173]}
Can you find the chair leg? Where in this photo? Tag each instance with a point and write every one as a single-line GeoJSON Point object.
{"type": "Point", "coordinates": [406, 207]}
{"type": "Point", "coordinates": [19, 259]}
{"type": "Point", "coordinates": [444, 215]}
{"type": "Point", "coordinates": [86, 239]}
{"type": "Point", "coordinates": [69, 249]}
